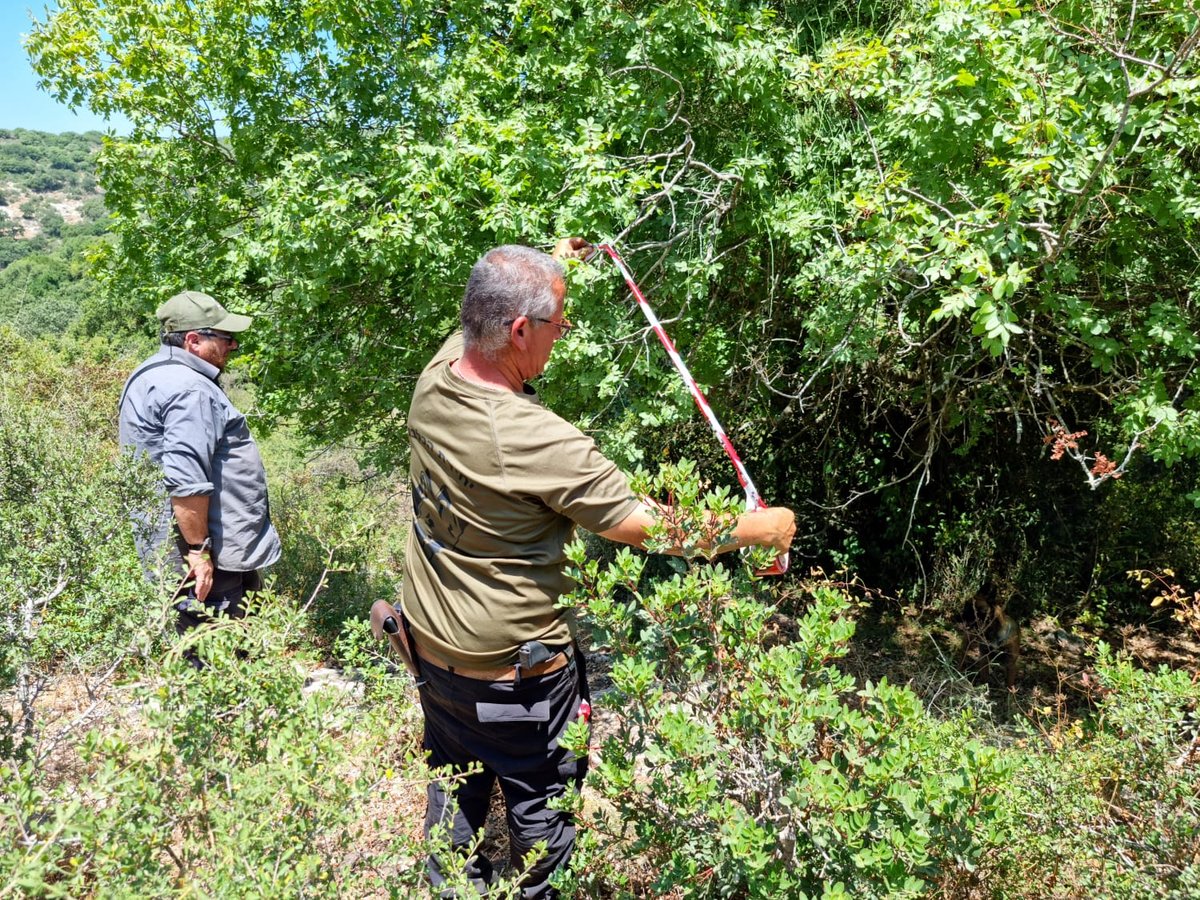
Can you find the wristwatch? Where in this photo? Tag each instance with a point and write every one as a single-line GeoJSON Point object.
{"type": "Point", "coordinates": [199, 548]}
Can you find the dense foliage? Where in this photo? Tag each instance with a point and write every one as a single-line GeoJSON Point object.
{"type": "Point", "coordinates": [913, 249]}
{"type": "Point", "coordinates": [733, 755]}
{"type": "Point", "coordinates": [744, 763]}
{"type": "Point", "coordinates": [42, 163]}
{"type": "Point", "coordinates": [61, 502]}
{"type": "Point", "coordinates": [1107, 806]}
{"type": "Point", "coordinates": [234, 781]}
{"type": "Point", "coordinates": [933, 262]}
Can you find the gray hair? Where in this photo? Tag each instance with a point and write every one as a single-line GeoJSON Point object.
{"type": "Point", "coordinates": [173, 338]}
{"type": "Point", "coordinates": [505, 283]}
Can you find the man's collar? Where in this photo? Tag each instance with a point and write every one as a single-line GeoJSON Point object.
{"type": "Point", "coordinates": [179, 354]}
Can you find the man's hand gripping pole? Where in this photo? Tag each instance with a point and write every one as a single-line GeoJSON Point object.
{"type": "Point", "coordinates": [754, 500]}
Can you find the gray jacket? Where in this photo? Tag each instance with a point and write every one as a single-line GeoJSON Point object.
{"type": "Point", "coordinates": [173, 411]}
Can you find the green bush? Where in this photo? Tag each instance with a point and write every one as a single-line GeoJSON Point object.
{"type": "Point", "coordinates": [233, 781]}
{"type": "Point", "coordinates": [1108, 806]}
{"type": "Point", "coordinates": [342, 540]}
{"type": "Point", "coordinates": [741, 761]}
{"type": "Point", "coordinates": [46, 285]}
{"type": "Point", "coordinates": [13, 247]}
{"type": "Point", "coordinates": [71, 589]}
{"type": "Point", "coordinates": [52, 222]}
{"type": "Point", "coordinates": [45, 183]}
{"type": "Point", "coordinates": [238, 783]}
{"type": "Point", "coordinates": [94, 210]}
{"type": "Point", "coordinates": [1146, 522]}
{"type": "Point", "coordinates": [743, 766]}
{"type": "Point", "coordinates": [42, 162]}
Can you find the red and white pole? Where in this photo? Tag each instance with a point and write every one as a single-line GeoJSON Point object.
{"type": "Point", "coordinates": [753, 498]}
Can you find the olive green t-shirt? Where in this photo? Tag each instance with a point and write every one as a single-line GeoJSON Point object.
{"type": "Point", "coordinates": [498, 484]}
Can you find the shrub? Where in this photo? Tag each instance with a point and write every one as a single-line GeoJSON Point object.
{"type": "Point", "coordinates": [1108, 806]}
{"type": "Point", "coordinates": [46, 183]}
{"type": "Point", "coordinates": [52, 222]}
{"type": "Point", "coordinates": [13, 247]}
{"type": "Point", "coordinates": [237, 783]}
{"type": "Point", "coordinates": [71, 589]}
{"type": "Point", "coordinates": [94, 210]}
{"type": "Point", "coordinates": [339, 537]}
{"type": "Point", "coordinates": [232, 781]}
{"type": "Point", "coordinates": [738, 768]}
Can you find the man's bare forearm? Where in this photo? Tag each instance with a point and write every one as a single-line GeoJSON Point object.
{"type": "Point", "coordinates": [772, 527]}
{"type": "Point", "coordinates": [191, 514]}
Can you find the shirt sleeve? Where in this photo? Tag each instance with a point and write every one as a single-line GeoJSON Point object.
{"type": "Point", "coordinates": [191, 430]}
{"type": "Point", "coordinates": [570, 475]}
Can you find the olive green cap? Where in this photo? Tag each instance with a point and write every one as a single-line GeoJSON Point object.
{"type": "Point", "coordinates": [192, 310]}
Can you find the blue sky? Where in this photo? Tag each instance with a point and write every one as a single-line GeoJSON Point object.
{"type": "Point", "coordinates": [22, 104]}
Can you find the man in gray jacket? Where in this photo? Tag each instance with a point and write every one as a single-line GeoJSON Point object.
{"type": "Point", "coordinates": [215, 523]}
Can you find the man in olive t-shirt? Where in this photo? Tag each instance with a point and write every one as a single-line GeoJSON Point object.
{"type": "Point", "coordinates": [499, 483]}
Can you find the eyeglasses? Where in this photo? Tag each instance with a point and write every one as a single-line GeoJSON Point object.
{"type": "Point", "coordinates": [564, 327]}
{"type": "Point", "coordinates": [208, 332]}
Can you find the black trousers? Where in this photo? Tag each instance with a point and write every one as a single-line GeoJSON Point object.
{"type": "Point", "coordinates": [226, 598]}
{"type": "Point", "coordinates": [512, 730]}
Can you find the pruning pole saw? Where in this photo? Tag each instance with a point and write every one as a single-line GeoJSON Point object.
{"type": "Point", "coordinates": [754, 500]}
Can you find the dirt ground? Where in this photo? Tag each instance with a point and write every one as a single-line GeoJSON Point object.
{"type": "Point", "coordinates": [67, 207]}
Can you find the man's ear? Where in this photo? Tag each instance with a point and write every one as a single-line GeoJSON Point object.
{"type": "Point", "coordinates": [519, 330]}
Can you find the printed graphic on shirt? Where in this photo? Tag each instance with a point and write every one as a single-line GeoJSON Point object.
{"type": "Point", "coordinates": [433, 507]}
{"type": "Point", "coordinates": [433, 512]}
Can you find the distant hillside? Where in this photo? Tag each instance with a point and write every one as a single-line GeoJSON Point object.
{"type": "Point", "coordinates": [51, 214]}
{"type": "Point", "coordinates": [48, 181]}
